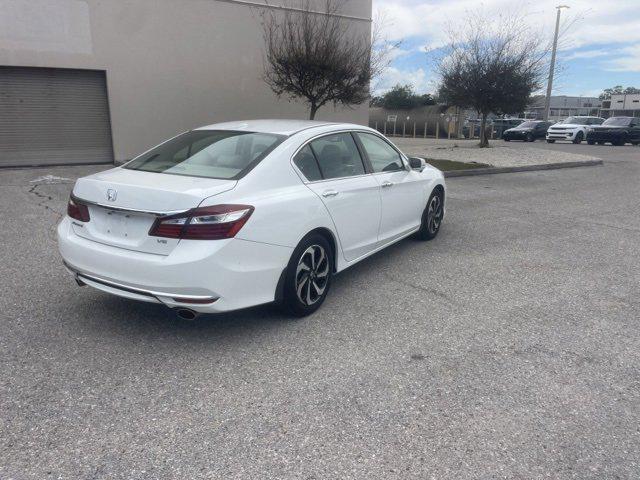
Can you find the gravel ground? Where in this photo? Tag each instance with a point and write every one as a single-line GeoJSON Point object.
{"type": "Point", "coordinates": [507, 348]}
{"type": "Point", "coordinates": [500, 154]}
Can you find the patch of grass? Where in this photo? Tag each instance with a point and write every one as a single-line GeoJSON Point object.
{"type": "Point", "coordinates": [448, 165]}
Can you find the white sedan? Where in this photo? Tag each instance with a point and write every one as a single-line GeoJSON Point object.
{"type": "Point", "coordinates": [239, 214]}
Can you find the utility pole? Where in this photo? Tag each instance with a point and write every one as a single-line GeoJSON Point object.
{"type": "Point", "coordinates": [547, 101]}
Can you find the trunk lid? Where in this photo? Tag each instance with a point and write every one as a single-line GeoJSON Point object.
{"type": "Point", "coordinates": [123, 204]}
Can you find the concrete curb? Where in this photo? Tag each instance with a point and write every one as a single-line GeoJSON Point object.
{"type": "Point", "coordinates": [524, 168]}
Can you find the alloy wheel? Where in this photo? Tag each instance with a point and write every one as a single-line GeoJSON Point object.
{"type": "Point", "coordinates": [434, 214]}
{"type": "Point", "coordinates": [312, 274]}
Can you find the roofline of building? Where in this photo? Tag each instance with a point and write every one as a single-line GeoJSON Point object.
{"type": "Point", "coordinates": [256, 4]}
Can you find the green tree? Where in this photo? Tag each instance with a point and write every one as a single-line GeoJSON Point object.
{"type": "Point", "coordinates": [402, 97]}
{"type": "Point", "coordinates": [618, 90]}
{"type": "Point", "coordinates": [492, 66]}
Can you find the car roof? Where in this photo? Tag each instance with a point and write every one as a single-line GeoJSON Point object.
{"type": "Point", "coordinates": [274, 126]}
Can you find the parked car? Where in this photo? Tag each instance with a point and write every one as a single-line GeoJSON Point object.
{"type": "Point", "coordinates": [239, 214]}
{"type": "Point", "coordinates": [617, 131]}
{"type": "Point", "coordinates": [527, 131]}
{"type": "Point", "coordinates": [500, 125]}
{"type": "Point", "coordinates": [573, 129]}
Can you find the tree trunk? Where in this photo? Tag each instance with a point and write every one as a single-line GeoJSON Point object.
{"type": "Point", "coordinates": [484, 141]}
{"type": "Point", "coordinates": [312, 111]}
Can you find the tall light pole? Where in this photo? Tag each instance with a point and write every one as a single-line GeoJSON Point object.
{"type": "Point", "coordinates": [547, 101]}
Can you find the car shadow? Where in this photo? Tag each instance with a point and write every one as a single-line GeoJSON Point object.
{"type": "Point", "coordinates": [113, 315]}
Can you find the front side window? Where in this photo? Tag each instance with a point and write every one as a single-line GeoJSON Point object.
{"type": "Point", "coordinates": [208, 153]}
{"type": "Point", "coordinates": [382, 156]}
{"type": "Point", "coordinates": [337, 156]}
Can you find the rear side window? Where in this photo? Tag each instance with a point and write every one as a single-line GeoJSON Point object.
{"type": "Point", "coordinates": [337, 156]}
{"type": "Point", "coordinates": [307, 164]}
{"type": "Point", "coordinates": [382, 156]}
{"type": "Point", "coordinates": [208, 153]}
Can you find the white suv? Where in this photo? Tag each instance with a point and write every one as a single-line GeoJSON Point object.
{"type": "Point", "coordinates": [574, 129]}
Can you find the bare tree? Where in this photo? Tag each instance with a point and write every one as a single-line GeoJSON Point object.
{"type": "Point", "coordinates": [319, 55]}
{"type": "Point", "coordinates": [492, 66]}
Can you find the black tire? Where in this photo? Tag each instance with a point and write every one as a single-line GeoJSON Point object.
{"type": "Point", "coordinates": [530, 138]}
{"type": "Point", "coordinates": [601, 143]}
{"type": "Point", "coordinates": [579, 138]}
{"type": "Point", "coordinates": [307, 253]}
{"type": "Point", "coordinates": [592, 142]}
{"type": "Point", "coordinates": [635, 143]}
{"type": "Point", "coordinates": [618, 143]}
{"type": "Point", "coordinates": [507, 139]}
{"type": "Point", "coordinates": [551, 141]}
{"type": "Point", "coordinates": [430, 225]}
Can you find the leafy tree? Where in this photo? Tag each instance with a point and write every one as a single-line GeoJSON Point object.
{"type": "Point", "coordinates": [402, 97]}
{"type": "Point", "coordinates": [618, 90]}
{"type": "Point", "coordinates": [491, 66]}
{"type": "Point", "coordinates": [317, 55]}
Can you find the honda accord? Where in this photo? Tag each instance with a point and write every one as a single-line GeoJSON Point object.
{"type": "Point", "coordinates": [239, 214]}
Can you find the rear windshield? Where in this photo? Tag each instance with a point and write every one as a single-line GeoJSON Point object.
{"type": "Point", "coordinates": [618, 121]}
{"type": "Point", "coordinates": [208, 153]}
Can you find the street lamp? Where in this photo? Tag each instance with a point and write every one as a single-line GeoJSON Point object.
{"type": "Point", "coordinates": [547, 101]}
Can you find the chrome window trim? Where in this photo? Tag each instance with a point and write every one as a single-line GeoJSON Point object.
{"type": "Point", "coordinates": [306, 181]}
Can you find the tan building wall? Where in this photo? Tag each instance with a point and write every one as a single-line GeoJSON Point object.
{"type": "Point", "coordinates": [171, 65]}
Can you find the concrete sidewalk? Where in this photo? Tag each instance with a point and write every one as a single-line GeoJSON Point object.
{"type": "Point", "coordinates": [500, 154]}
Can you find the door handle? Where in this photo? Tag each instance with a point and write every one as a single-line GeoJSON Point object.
{"type": "Point", "coordinates": [330, 193]}
{"type": "Point", "coordinates": [386, 184]}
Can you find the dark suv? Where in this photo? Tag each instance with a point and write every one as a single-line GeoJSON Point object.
{"type": "Point", "coordinates": [617, 131]}
{"type": "Point", "coordinates": [527, 131]}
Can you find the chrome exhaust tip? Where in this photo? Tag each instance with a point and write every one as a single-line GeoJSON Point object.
{"type": "Point", "coordinates": [186, 314]}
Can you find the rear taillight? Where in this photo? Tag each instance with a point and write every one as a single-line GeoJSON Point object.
{"type": "Point", "coordinates": [205, 223]}
{"type": "Point", "coordinates": [78, 210]}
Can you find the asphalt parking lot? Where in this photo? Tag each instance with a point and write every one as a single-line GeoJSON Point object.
{"type": "Point", "coordinates": [508, 348]}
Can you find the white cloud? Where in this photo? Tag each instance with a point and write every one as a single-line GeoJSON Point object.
{"type": "Point", "coordinates": [393, 76]}
{"type": "Point", "coordinates": [586, 54]}
{"type": "Point", "coordinates": [595, 22]}
{"type": "Point", "coordinates": [627, 61]}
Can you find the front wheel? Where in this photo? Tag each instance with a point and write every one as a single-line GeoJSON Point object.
{"type": "Point", "coordinates": [551, 141]}
{"type": "Point", "coordinates": [432, 216]}
{"type": "Point", "coordinates": [592, 142]}
{"type": "Point", "coordinates": [308, 275]}
{"type": "Point", "coordinates": [579, 138]}
{"type": "Point", "coordinates": [530, 138]}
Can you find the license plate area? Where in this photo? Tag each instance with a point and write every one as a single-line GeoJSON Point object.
{"type": "Point", "coordinates": [120, 226]}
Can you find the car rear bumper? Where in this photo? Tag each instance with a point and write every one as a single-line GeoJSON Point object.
{"type": "Point", "coordinates": [205, 276]}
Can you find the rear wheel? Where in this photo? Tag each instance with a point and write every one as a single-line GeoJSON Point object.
{"type": "Point", "coordinates": [579, 138]}
{"type": "Point", "coordinates": [507, 139]}
{"type": "Point", "coordinates": [618, 143]}
{"type": "Point", "coordinates": [432, 216]}
{"type": "Point", "coordinates": [308, 275]}
{"type": "Point", "coordinates": [530, 137]}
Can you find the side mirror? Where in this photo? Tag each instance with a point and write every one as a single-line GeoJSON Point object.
{"type": "Point", "coordinates": [417, 163]}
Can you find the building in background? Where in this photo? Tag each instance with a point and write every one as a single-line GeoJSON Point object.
{"type": "Point", "coordinates": [621, 106]}
{"type": "Point", "coordinates": [92, 81]}
{"type": "Point", "coordinates": [563, 106]}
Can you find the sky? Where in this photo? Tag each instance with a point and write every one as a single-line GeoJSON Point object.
{"type": "Point", "coordinates": [600, 46]}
